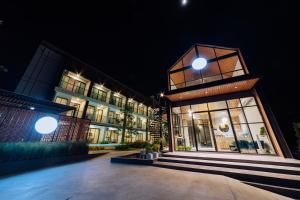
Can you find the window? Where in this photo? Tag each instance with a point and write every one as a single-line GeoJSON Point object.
{"type": "Point", "coordinates": [236, 127]}
{"type": "Point", "coordinates": [77, 111]}
{"type": "Point", "coordinates": [61, 100]}
{"type": "Point", "coordinates": [72, 85]}
{"type": "Point", "coordinates": [217, 105]}
{"type": "Point", "coordinates": [90, 113]}
{"type": "Point", "coordinates": [117, 101]}
{"type": "Point", "coordinates": [221, 64]}
{"type": "Point", "coordinates": [139, 123]}
{"type": "Point", "coordinates": [139, 137]}
{"type": "Point", "coordinates": [98, 94]}
{"type": "Point", "coordinates": [112, 136]}
{"type": "Point", "coordinates": [130, 106]}
{"type": "Point", "coordinates": [94, 134]}
{"type": "Point", "coordinates": [99, 115]}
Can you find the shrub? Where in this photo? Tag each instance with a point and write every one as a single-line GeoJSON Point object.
{"type": "Point", "coordinates": [156, 147]}
{"type": "Point", "coordinates": [138, 144]}
{"type": "Point", "coordinates": [148, 148]}
{"type": "Point", "coordinates": [95, 148]}
{"type": "Point", "coordinates": [40, 150]}
{"type": "Point", "coordinates": [104, 142]}
{"type": "Point", "coordinates": [183, 148]}
{"type": "Point", "coordinates": [122, 147]}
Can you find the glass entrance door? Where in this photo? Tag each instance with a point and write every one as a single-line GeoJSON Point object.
{"type": "Point", "coordinates": [203, 131]}
{"type": "Point", "coordinates": [223, 132]}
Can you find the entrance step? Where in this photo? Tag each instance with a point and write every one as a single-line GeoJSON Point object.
{"type": "Point", "coordinates": [279, 177]}
{"type": "Point", "coordinates": [240, 165]}
{"type": "Point", "coordinates": [239, 158]}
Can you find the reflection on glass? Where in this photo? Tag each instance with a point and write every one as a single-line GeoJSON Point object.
{"type": "Point", "coordinates": [223, 131]}
{"type": "Point", "coordinates": [244, 138]}
{"type": "Point", "coordinates": [237, 116]}
{"type": "Point", "coordinates": [261, 139]}
{"type": "Point", "coordinates": [252, 114]}
{"type": "Point", "coordinates": [199, 107]}
{"type": "Point", "coordinates": [248, 101]}
{"type": "Point", "coordinates": [217, 105]}
{"type": "Point", "coordinates": [234, 103]}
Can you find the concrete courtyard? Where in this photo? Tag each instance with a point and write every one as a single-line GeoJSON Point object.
{"type": "Point", "coordinates": [100, 179]}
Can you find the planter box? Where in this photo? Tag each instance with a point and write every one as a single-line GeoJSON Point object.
{"type": "Point", "coordinates": [131, 159]}
{"type": "Point", "coordinates": [13, 167]}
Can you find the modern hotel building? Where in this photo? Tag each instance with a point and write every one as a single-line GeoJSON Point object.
{"type": "Point", "coordinates": [215, 105]}
{"type": "Point", "coordinates": [113, 108]}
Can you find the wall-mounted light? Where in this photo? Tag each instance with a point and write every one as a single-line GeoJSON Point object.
{"type": "Point", "coordinates": [46, 125]}
{"type": "Point", "coordinates": [161, 94]}
{"type": "Point", "coordinates": [190, 113]}
{"type": "Point", "coordinates": [32, 108]}
{"type": "Point", "coordinates": [199, 63]}
{"type": "Point", "coordinates": [184, 2]}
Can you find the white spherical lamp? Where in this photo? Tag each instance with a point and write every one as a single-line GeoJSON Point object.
{"type": "Point", "coordinates": [46, 125]}
{"type": "Point", "coordinates": [199, 63]}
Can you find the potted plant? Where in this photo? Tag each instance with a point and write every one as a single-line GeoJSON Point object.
{"type": "Point", "coordinates": [262, 131]}
{"type": "Point", "coordinates": [156, 148]}
{"type": "Point", "coordinates": [149, 151]}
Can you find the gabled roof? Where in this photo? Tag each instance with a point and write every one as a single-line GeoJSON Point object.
{"type": "Point", "coordinates": [203, 50]}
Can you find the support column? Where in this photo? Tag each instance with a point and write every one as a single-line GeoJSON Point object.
{"type": "Point", "coordinates": [147, 124]}
{"type": "Point", "coordinates": [87, 102]}
{"type": "Point", "coordinates": [170, 130]}
{"type": "Point", "coordinates": [124, 121]}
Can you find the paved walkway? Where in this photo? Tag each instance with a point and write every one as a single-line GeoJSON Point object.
{"type": "Point", "coordinates": [99, 179]}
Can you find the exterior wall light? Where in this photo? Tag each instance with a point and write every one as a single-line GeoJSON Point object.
{"type": "Point", "coordinates": [162, 94]}
{"type": "Point", "coordinates": [199, 63]}
{"type": "Point", "coordinates": [46, 125]}
{"type": "Point", "coordinates": [190, 113]}
{"type": "Point", "coordinates": [32, 108]}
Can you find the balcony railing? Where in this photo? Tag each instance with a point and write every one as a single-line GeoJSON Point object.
{"type": "Point", "coordinates": [99, 97]}
{"type": "Point", "coordinates": [117, 103]}
{"type": "Point", "coordinates": [116, 121]}
{"type": "Point", "coordinates": [97, 118]}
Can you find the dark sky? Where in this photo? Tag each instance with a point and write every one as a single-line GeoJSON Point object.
{"type": "Point", "coordinates": [136, 41]}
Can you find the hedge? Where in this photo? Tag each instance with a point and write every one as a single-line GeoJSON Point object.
{"type": "Point", "coordinates": [39, 150]}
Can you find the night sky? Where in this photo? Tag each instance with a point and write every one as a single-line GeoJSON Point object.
{"type": "Point", "coordinates": [136, 41]}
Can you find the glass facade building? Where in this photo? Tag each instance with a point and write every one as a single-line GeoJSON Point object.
{"type": "Point", "coordinates": [219, 108]}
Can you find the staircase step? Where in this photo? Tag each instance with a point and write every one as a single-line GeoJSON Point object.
{"type": "Point", "coordinates": [234, 160]}
{"type": "Point", "coordinates": [275, 179]}
{"type": "Point", "coordinates": [241, 165]}
{"type": "Point", "coordinates": [289, 192]}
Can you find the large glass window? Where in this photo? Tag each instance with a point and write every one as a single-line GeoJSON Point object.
{"type": "Point", "coordinates": [235, 125]}
{"type": "Point", "coordinates": [221, 64]}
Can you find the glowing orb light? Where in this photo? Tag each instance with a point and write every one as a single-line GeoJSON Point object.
{"type": "Point", "coordinates": [46, 125]}
{"type": "Point", "coordinates": [184, 2]}
{"type": "Point", "coordinates": [199, 63]}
